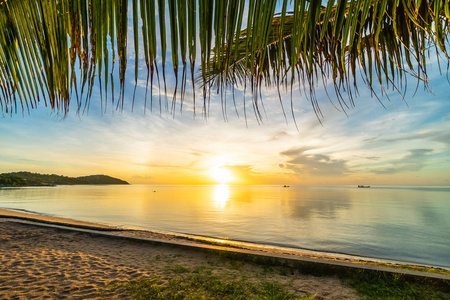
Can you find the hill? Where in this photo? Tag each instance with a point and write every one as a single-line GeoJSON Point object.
{"type": "Point", "coordinates": [100, 179]}
{"type": "Point", "coordinates": [36, 179]}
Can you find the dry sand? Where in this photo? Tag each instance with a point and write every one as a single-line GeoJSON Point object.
{"type": "Point", "coordinates": [39, 262]}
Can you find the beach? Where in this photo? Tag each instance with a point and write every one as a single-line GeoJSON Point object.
{"type": "Point", "coordinates": [44, 262]}
{"type": "Point", "coordinates": [80, 260]}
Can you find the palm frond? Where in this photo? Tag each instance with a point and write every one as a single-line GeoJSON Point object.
{"type": "Point", "coordinates": [382, 41]}
{"type": "Point", "coordinates": [51, 49]}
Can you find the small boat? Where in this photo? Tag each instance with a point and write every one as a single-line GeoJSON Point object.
{"type": "Point", "coordinates": [364, 186]}
{"type": "Point", "coordinates": [285, 186]}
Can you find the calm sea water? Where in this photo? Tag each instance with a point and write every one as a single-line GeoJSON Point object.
{"type": "Point", "coordinates": [407, 224]}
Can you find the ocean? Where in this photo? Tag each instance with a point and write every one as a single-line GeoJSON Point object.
{"type": "Point", "coordinates": [408, 224]}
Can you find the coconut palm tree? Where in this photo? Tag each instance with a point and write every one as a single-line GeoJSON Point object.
{"type": "Point", "coordinates": [56, 50]}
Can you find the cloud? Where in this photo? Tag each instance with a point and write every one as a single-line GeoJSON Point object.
{"type": "Point", "coordinates": [244, 173]}
{"type": "Point", "coordinates": [196, 152]}
{"type": "Point", "coordinates": [412, 162]}
{"type": "Point", "coordinates": [242, 169]}
{"type": "Point", "coordinates": [372, 157]}
{"type": "Point", "coordinates": [436, 136]}
{"type": "Point", "coordinates": [442, 137]}
{"type": "Point", "coordinates": [279, 135]}
{"type": "Point", "coordinates": [301, 162]}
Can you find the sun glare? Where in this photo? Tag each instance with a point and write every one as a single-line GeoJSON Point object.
{"type": "Point", "coordinates": [221, 175]}
{"type": "Point", "coordinates": [221, 195]}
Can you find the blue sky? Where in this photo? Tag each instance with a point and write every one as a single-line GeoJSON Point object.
{"type": "Point", "coordinates": [405, 144]}
{"type": "Point", "coordinates": [372, 145]}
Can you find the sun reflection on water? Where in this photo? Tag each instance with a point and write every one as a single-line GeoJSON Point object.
{"type": "Point", "coordinates": [221, 195]}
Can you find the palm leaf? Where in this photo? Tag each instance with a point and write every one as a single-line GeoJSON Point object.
{"type": "Point", "coordinates": [308, 41]}
{"type": "Point", "coordinates": [43, 43]}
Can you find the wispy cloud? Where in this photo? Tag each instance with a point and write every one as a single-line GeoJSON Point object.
{"type": "Point", "coordinates": [439, 136]}
{"type": "Point", "coordinates": [415, 161]}
{"type": "Point", "coordinates": [302, 163]}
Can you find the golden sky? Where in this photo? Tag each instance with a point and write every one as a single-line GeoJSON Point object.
{"type": "Point", "coordinates": [403, 143]}
{"type": "Point", "coordinates": [372, 145]}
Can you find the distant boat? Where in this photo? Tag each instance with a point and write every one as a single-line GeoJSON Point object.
{"type": "Point", "coordinates": [286, 186]}
{"type": "Point", "coordinates": [364, 186]}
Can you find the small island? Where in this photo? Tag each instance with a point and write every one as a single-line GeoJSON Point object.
{"type": "Point", "coordinates": [22, 179]}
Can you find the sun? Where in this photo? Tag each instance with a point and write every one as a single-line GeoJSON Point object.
{"type": "Point", "coordinates": [221, 175]}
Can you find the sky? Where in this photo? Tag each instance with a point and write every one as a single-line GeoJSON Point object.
{"type": "Point", "coordinates": [399, 144]}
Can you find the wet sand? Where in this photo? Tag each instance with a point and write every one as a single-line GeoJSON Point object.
{"type": "Point", "coordinates": [185, 239]}
{"type": "Point", "coordinates": [43, 262]}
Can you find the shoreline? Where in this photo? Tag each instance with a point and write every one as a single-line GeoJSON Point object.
{"type": "Point", "coordinates": [316, 228]}
{"type": "Point", "coordinates": [226, 245]}
{"type": "Point", "coordinates": [51, 261]}
{"type": "Point", "coordinates": [50, 257]}
{"type": "Point", "coordinates": [194, 239]}
{"type": "Point", "coordinates": [25, 215]}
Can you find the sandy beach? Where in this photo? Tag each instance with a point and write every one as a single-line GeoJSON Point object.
{"type": "Point", "coordinates": [45, 257]}
{"type": "Point", "coordinates": [41, 262]}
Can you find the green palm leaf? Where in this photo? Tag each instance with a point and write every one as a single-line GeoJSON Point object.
{"type": "Point", "coordinates": [380, 40]}
{"type": "Point", "coordinates": [48, 49]}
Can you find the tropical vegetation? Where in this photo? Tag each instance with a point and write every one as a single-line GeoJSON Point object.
{"type": "Point", "coordinates": [54, 51]}
{"type": "Point", "coordinates": [35, 179]}
{"type": "Point", "coordinates": [11, 180]}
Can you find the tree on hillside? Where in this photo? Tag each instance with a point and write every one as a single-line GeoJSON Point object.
{"type": "Point", "coordinates": [52, 51]}
{"type": "Point", "coordinates": [11, 180]}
